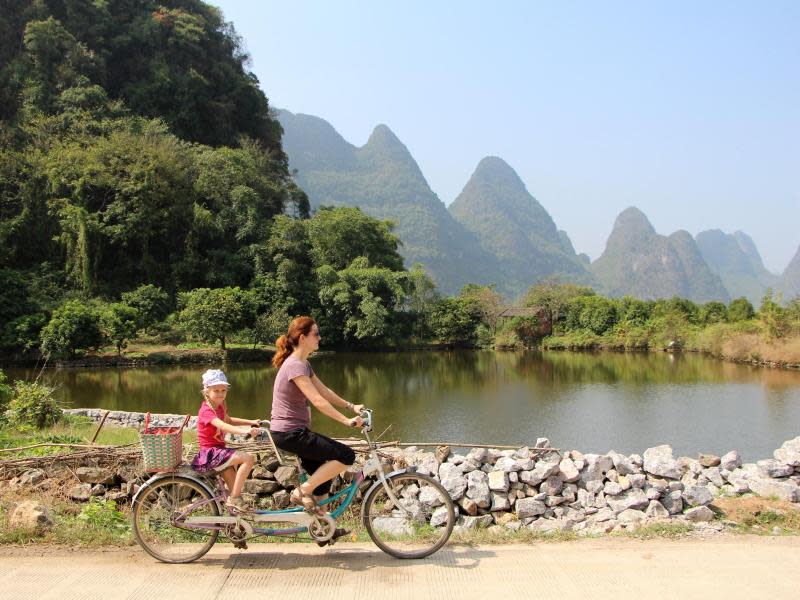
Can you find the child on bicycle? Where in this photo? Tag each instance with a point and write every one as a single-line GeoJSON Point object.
{"type": "Point", "coordinates": [213, 422]}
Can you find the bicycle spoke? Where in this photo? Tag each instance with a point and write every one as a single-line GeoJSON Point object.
{"type": "Point", "coordinates": [156, 521]}
{"type": "Point", "coordinates": [418, 524]}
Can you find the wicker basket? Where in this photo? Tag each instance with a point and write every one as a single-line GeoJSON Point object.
{"type": "Point", "coordinates": [162, 447]}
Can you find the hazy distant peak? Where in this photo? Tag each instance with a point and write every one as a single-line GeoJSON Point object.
{"type": "Point", "coordinates": [383, 145]}
{"type": "Point", "coordinates": [790, 280]}
{"type": "Point", "coordinates": [682, 235]}
{"type": "Point", "coordinates": [566, 243]}
{"type": "Point", "coordinates": [311, 125]}
{"type": "Point", "coordinates": [633, 219]}
{"type": "Point", "coordinates": [382, 136]}
{"type": "Point", "coordinates": [494, 170]}
{"type": "Point", "coordinates": [748, 246]}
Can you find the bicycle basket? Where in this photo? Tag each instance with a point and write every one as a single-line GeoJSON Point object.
{"type": "Point", "coordinates": [162, 447]}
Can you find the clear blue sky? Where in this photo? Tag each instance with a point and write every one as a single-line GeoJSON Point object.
{"type": "Point", "coordinates": [688, 110]}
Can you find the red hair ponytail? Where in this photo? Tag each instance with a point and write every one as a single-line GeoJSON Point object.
{"type": "Point", "coordinates": [287, 343]}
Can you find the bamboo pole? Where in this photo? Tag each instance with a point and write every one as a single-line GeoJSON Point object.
{"type": "Point", "coordinates": [460, 445]}
{"type": "Point", "coordinates": [54, 445]}
{"type": "Point", "coordinates": [99, 427]}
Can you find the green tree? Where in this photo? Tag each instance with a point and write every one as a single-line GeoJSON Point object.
{"type": "Point", "coordinates": [421, 298]}
{"type": "Point", "coordinates": [74, 326]}
{"type": "Point", "coordinates": [289, 259]}
{"type": "Point", "coordinates": [23, 333]}
{"type": "Point", "coordinates": [119, 323]}
{"type": "Point", "coordinates": [454, 321]}
{"type": "Point", "coordinates": [677, 306]}
{"type": "Point", "coordinates": [740, 309]}
{"type": "Point", "coordinates": [214, 314]}
{"type": "Point", "coordinates": [554, 298]}
{"type": "Point", "coordinates": [713, 312]}
{"type": "Point", "coordinates": [151, 303]}
{"type": "Point", "coordinates": [269, 326]}
{"type": "Point", "coordinates": [597, 314]}
{"type": "Point", "coordinates": [6, 393]}
{"type": "Point", "coordinates": [340, 235]}
{"type": "Point", "coordinates": [360, 303]}
{"type": "Point", "coordinates": [487, 298]}
{"type": "Point", "coordinates": [773, 315]}
{"type": "Point", "coordinates": [634, 311]}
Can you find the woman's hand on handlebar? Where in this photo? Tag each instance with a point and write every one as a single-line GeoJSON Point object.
{"type": "Point", "coordinates": [356, 422]}
{"type": "Point", "coordinates": [358, 408]}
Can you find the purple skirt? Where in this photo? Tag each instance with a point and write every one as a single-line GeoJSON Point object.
{"type": "Point", "coordinates": [212, 459]}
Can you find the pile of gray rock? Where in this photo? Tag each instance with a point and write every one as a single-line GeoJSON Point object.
{"type": "Point", "coordinates": [545, 490]}
{"type": "Point", "coordinates": [537, 487]}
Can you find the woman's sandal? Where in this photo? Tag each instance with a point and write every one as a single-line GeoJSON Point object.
{"type": "Point", "coordinates": [305, 500]}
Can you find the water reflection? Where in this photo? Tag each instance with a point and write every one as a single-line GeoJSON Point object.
{"type": "Point", "coordinates": [590, 401]}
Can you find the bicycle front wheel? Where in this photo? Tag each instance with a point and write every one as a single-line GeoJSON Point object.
{"type": "Point", "coordinates": [417, 524]}
{"type": "Point", "coordinates": [157, 518]}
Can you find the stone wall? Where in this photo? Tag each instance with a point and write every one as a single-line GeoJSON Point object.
{"type": "Point", "coordinates": [121, 418]}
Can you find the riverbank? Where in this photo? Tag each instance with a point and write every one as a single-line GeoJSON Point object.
{"type": "Point", "coordinates": [143, 355]}
{"type": "Point", "coordinates": [744, 344]}
{"type": "Point", "coordinates": [501, 495]}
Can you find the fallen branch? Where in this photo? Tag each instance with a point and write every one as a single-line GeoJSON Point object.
{"type": "Point", "coordinates": [56, 445]}
{"type": "Point", "coordinates": [460, 445]}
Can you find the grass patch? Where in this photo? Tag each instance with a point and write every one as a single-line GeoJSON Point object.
{"type": "Point", "coordinates": [72, 429]}
{"type": "Point", "coordinates": [659, 530]}
{"type": "Point", "coordinates": [761, 516]}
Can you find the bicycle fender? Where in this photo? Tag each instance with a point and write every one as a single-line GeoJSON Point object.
{"type": "Point", "coordinates": [160, 476]}
{"type": "Point", "coordinates": [378, 484]}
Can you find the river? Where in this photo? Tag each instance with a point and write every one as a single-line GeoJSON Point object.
{"type": "Point", "coordinates": [593, 402]}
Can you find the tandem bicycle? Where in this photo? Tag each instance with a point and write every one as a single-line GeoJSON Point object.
{"type": "Point", "coordinates": [178, 516]}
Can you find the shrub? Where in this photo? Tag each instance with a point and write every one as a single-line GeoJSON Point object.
{"type": "Point", "coordinates": [74, 326]}
{"type": "Point", "coordinates": [270, 326]}
{"type": "Point", "coordinates": [598, 314]}
{"type": "Point", "coordinates": [33, 405]}
{"type": "Point", "coordinates": [119, 323]}
{"type": "Point", "coordinates": [151, 303]}
{"type": "Point", "coordinates": [104, 514]}
{"type": "Point", "coordinates": [23, 333]}
{"type": "Point", "coordinates": [740, 309]}
{"type": "Point", "coordinates": [214, 314]}
{"type": "Point", "coordinates": [713, 312]}
{"type": "Point", "coordinates": [6, 392]}
{"type": "Point", "coordinates": [634, 311]}
{"type": "Point", "coordinates": [774, 317]}
{"type": "Point", "coordinates": [454, 321]}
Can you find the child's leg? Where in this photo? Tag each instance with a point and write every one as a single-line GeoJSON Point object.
{"type": "Point", "coordinates": [236, 474]}
{"type": "Point", "coordinates": [245, 462]}
{"type": "Point", "coordinates": [229, 475]}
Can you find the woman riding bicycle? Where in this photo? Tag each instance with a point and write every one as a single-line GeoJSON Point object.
{"type": "Point", "coordinates": [295, 386]}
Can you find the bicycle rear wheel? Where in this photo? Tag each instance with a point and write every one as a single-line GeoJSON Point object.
{"type": "Point", "coordinates": [156, 524]}
{"type": "Point", "coordinates": [418, 525]}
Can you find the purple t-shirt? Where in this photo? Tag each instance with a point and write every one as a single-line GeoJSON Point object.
{"type": "Point", "coordinates": [290, 407]}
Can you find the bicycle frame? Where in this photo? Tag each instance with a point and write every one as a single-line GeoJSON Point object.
{"type": "Point", "coordinates": [295, 515]}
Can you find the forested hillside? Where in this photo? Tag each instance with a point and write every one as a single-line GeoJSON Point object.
{"type": "Point", "coordinates": [735, 258]}
{"type": "Point", "coordinates": [144, 190]}
{"type": "Point", "coordinates": [641, 263]}
{"type": "Point", "coordinates": [515, 228]}
{"type": "Point", "coordinates": [384, 180]}
{"type": "Point", "coordinates": [789, 284]}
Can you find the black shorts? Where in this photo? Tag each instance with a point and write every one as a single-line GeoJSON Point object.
{"type": "Point", "coordinates": [314, 450]}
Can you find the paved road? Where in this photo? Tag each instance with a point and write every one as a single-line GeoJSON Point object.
{"type": "Point", "coordinates": [728, 568]}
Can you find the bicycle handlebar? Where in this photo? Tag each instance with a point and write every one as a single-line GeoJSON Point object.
{"type": "Point", "coordinates": [365, 414]}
